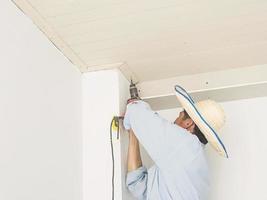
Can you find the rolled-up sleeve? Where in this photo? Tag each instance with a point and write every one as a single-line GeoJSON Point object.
{"type": "Point", "coordinates": [162, 139]}
{"type": "Point", "coordinates": [136, 182]}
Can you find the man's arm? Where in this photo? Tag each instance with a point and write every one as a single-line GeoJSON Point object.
{"type": "Point", "coordinates": [136, 179]}
{"type": "Point", "coordinates": [134, 157]}
{"type": "Point", "coordinates": [165, 142]}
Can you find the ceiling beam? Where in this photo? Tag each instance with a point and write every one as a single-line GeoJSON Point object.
{"type": "Point", "coordinates": [239, 83]}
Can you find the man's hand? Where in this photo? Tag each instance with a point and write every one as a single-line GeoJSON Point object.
{"type": "Point", "coordinates": [128, 102]}
{"type": "Point", "coordinates": [131, 101]}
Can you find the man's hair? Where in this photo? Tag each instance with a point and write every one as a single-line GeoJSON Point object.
{"type": "Point", "coordinates": [196, 131]}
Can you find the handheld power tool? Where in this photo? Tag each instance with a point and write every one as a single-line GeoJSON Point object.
{"type": "Point", "coordinates": [134, 91]}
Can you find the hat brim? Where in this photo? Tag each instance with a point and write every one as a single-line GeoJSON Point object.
{"type": "Point", "coordinates": [189, 105]}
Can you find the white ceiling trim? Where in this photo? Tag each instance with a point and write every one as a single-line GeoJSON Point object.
{"type": "Point", "coordinates": [122, 66]}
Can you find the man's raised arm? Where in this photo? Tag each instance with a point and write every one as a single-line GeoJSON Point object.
{"type": "Point", "coordinates": [161, 138]}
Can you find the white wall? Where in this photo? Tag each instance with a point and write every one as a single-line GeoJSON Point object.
{"type": "Point", "coordinates": [104, 96]}
{"type": "Point", "coordinates": [242, 176]}
{"type": "Point", "coordinates": [40, 114]}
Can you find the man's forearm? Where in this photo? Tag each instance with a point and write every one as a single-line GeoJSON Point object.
{"type": "Point", "coordinates": [134, 157]}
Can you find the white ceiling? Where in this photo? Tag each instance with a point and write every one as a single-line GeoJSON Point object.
{"type": "Point", "coordinates": [155, 38]}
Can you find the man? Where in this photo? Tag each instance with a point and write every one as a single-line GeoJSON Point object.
{"type": "Point", "coordinates": [180, 171]}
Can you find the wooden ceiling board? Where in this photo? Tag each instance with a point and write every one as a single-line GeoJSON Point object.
{"type": "Point", "coordinates": [156, 38]}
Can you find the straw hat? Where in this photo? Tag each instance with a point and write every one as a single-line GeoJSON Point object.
{"type": "Point", "coordinates": [207, 115]}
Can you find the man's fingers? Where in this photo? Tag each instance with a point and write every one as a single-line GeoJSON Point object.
{"type": "Point", "coordinates": [131, 100]}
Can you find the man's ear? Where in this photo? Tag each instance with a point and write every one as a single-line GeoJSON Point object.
{"type": "Point", "coordinates": [188, 122]}
{"type": "Point", "coordinates": [190, 125]}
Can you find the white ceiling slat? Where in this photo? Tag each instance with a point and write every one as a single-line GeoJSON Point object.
{"type": "Point", "coordinates": [189, 11]}
{"type": "Point", "coordinates": [127, 25]}
{"type": "Point", "coordinates": [103, 7]}
{"type": "Point", "coordinates": [188, 41]}
{"type": "Point", "coordinates": [155, 22]}
{"type": "Point", "coordinates": [63, 8]}
{"type": "Point", "coordinates": [117, 10]}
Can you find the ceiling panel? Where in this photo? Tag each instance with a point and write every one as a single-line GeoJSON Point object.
{"type": "Point", "coordinates": [159, 38]}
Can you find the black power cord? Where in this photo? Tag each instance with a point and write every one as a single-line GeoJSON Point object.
{"type": "Point", "coordinates": [114, 125]}
{"type": "Point", "coordinates": [112, 155]}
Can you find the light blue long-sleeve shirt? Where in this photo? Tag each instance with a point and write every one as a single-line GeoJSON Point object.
{"type": "Point", "coordinates": [180, 171]}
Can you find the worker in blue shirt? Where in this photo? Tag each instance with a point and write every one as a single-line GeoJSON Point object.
{"type": "Point", "coordinates": [180, 171]}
